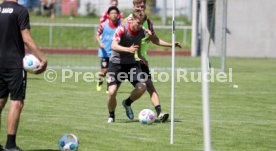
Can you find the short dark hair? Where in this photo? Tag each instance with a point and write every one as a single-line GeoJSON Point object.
{"type": "Point", "coordinates": [113, 8]}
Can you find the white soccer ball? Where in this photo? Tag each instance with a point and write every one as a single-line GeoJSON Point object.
{"type": "Point", "coordinates": [146, 116]}
{"type": "Point", "coordinates": [68, 142]}
{"type": "Point", "coordinates": [30, 62]}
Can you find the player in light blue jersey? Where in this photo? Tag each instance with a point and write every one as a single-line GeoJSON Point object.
{"type": "Point", "coordinates": [104, 37]}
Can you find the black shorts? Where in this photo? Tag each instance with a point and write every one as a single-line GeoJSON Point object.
{"type": "Point", "coordinates": [104, 63]}
{"type": "Point", "coordinates": [13, 82]}
{"type": "Point", "coordinates": [48, 6]}
{"type": "Point", "coordinates": [145, 69]}
{"type": "Point", "coordinates": [117, 73]}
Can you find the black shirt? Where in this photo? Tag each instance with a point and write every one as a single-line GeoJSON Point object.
{"type": "Point", "coordinates": [13, 19]}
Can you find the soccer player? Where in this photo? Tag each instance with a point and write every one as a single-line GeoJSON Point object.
{"type": "Point", "coordinates": [104, 37]}
{"type": "Point", "coordinates": [105, 15]}
{"type": "Point", "coordinates": [14, 29]}
{"type": "Point", "coordinates": [48, 8]}
{"type": "Point", "coordinates": [126, 41]}
{"type": "Point", "coordinates": [140, 5]}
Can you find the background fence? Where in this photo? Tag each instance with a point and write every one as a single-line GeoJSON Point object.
{"type": "Point", "coordinates": [66, 35]}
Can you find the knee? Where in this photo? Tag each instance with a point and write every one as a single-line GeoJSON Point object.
{"type": "Point", "coordinates": [111, 93]}
{"type": "Point", "coordinates": [17, 104]}
{"type": "Point", "coordinates": [104, 71]}
{"type": "Point", "coordinates": [2, 104]}
{"type": "Point", "coordinates": [141, 87]}
{"type": "Point", "coordinates": [1, 108]}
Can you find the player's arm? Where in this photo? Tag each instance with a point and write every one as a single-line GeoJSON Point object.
{"type": "Point", "coordinates": [116, 40]}
{"type": "Point", "coordinates": [154, 39]}
{"type": "Point", "coordinates": [29, 42]}
{"type": "Point", "coordinates": [99, 33]}
{"type": "Point", "coordinates": [116, 47]}
{"type": "Point", "coordinates": [101, 45]}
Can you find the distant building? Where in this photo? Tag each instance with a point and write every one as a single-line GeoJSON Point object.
{"type": "Point", "coordinates": [99, 6]}
{"type": "Point", "coordinates": [183, 7]}
{"type": "Point", "coordinates": [250, 28]}
{"type": "Point", "coordinates": [251, 24]}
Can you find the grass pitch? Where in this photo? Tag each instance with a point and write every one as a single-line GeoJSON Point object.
{"type": "Point", "coordinates": [242, 119]}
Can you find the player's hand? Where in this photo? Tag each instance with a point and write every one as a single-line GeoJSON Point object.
{"type": "Point", "coordinates": [142, 61]}
{"type": "Point", "coordinates": [101, 45]}
{"type": "Point", "coordinates": [133, 48]}
{"type": "Point", "coordinates": [177, 44]}
{"type": "Point", "coordinates": [148, 31]}
{"type": "Point", "coordinates": [42, 67]}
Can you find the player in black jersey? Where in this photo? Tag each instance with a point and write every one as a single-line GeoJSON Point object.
{"type": "Point", "coordinates": [126, 41]}
{"type": "Point", "coordinates": [15, 35]}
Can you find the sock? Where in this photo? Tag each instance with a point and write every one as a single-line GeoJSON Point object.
{"type": "Point", "coordinates": [11, 141]}
{"type": "Point", "coordinates": [101, 80]}
{"type": "Point", "coordinates": [128, 101]}
{"type": "Point", "coordinates": [158, 109]}
{"type": "Point", "coordinates": [112, 114]}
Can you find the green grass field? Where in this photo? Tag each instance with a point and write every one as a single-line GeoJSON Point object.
{"type": "Point", "coordinates": [242, 119]}
{"type": "Point", "coordinates": [84, 37]}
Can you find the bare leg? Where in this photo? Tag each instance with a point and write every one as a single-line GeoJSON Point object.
{"type": "Point", "coordinates": [153, 93]}
{"type": "Point", "coordinates": [101, 75]}
{"type": "Point", "coordinates": [14, 116]}
{"type": "Point", "coordinates": [139, 90]}
{"type": "Point", "coordinates": [104, 71]}
{"type": "Point", "coordinates": [13, 122]}
{"type": "Point", "coordinates": [156, 101]}
{"type": "Point", "coordinates": [3, 102]}
{"type": "Point", "coordinates": [112, 102]}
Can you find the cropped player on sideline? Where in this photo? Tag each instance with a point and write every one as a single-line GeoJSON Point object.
{"type": "Point", "coordinates": [140, 5]}
{"type": "Point", "coordinates": [126, 42]}
{"type": "Point", "coordinates": [14, 29]}
{"type": "Point", "coordinates": [104, 37]}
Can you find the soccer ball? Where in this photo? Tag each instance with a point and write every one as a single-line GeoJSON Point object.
{"type": "Point", "coordinates": [68, 142]}
{"type": "Point", "coordinates": [30, 62]}
{"type": "Point", "coordinates": [146, 116]}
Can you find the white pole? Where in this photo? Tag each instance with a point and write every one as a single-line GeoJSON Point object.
{"type": "Point", "coordinates": [224, 28]}
{"type": "Point", "coordinates": [173, 74]}
{"type": "Point", "coordinates": [164, 16]}
{"type": "Point", "coordinates": [204, 71]}
{"type": "Point", "coordinates": [194, 28]}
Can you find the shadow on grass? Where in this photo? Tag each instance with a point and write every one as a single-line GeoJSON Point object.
{"type": "Point", "coordinates": [126, 121]}
{"type": "Point", "coordinates": [137, 121]}
{"type": "Point", "coordinates": [123, 92]}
